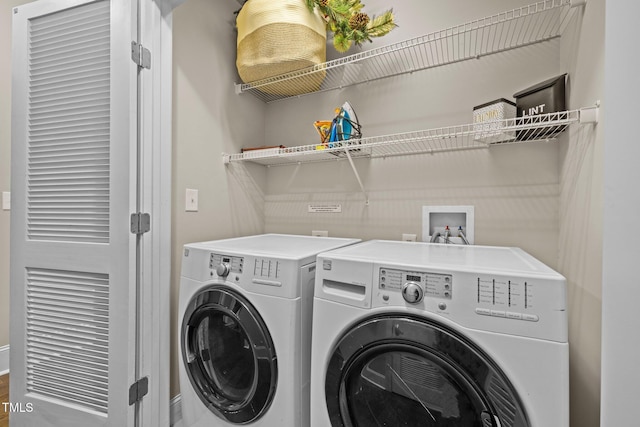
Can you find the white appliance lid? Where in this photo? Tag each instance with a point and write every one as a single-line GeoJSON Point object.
{"type": "Point", "coordinates": [284, 246]}
{"type": "Point", "coordinates": [454, 257]}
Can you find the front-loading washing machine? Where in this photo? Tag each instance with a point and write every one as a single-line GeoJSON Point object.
{"type": "Point", "coordinates": [245, 329]}
{"type": "Point", "coordinates": [417, 334]}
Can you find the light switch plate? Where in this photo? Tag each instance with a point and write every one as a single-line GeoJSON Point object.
{"type": "Point", "coordinates": [6, 201]}
{"type": "Point", "coordinates": [191, 200]}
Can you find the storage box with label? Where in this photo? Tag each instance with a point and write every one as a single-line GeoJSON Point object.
{"type": "Point", "coordinates": [488, 121]}
{"type": "Point", "coordinates": [543, 98]}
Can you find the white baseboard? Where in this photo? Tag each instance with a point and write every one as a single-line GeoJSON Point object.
{"type": "Point", "coordinates": [175, 411]}
{"type": "Point", "coordinates": [4, 360]}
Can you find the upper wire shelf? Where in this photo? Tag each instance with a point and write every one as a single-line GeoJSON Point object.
{"type": "Point", "coordinates": [463, 137]}
{"type": "Point", "coordinates": [538, 22]}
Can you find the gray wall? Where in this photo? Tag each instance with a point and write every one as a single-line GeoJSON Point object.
{"type": "Point", "coordinates": [581, 223]}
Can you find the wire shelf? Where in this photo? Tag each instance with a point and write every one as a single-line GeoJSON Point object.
{"type": "Point", "coordinates": [463, 137]}
{"type": "Point", "coordinates": [538, 22]}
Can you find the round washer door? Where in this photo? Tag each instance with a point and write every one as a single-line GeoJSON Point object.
{"type": "Point", "coordinates": [408, 371]}
{"type": "Point", "coordinates": [229, 355]}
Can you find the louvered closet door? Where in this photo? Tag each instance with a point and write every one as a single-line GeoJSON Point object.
{"type": "Point", "coordinates": [73, 181]}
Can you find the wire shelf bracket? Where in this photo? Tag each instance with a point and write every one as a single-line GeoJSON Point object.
{"type": "Point", "coordinates": [535, 23]}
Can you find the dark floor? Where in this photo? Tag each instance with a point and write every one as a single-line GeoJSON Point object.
{"type": "Point", "coordinates": [4, 397]}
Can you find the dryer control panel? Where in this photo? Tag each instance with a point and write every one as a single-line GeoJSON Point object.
{"type": "Point", "coordinates": [435, 285]}
{"type": "Point", "coordinates": [235, 264]}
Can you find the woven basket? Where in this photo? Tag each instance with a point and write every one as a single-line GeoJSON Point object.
{"type": "Point", "coordinates": [276, 37]}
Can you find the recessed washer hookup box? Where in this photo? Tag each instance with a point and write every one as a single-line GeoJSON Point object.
{"type": "Point", "coordinates": [542, 98]}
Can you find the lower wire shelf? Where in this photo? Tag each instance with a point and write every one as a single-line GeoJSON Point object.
{"type": "Point", "coordinates": [452, 138]}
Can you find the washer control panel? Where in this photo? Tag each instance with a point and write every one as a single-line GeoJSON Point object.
{"type": "Point", "coordinates": [433, 285]}
{"type": "Point", "coordinates": [225, 264]}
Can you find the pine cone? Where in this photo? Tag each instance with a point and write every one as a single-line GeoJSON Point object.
{"type": "Point", "coordinates": [323, 3]}
{"type": "Point", "coordinates": [358, 21]}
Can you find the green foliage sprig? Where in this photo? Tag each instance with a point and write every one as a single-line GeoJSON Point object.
{"type": "Point", "coordinates": [349, 24]}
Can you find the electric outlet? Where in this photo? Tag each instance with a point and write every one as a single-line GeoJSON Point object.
{"type": "Point", "coordinates": [409, 237]}
{"type": "Point", "coordinates": [320, 233]}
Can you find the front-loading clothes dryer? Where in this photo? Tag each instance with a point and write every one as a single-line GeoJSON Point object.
{"type": "Point", "coordinates": [245, 329]}
{"type": "Point", "coordinates": [417, 334]}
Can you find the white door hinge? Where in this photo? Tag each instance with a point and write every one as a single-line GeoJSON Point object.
{"type": "Point", "coordinates": [140, 223]}
{"type": "Point", "coordinates": [138, 390]}
{"type": "Point", "coordinates": [140, 55]}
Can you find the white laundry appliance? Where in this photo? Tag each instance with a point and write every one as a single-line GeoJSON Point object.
{"type": "Point", "coordinates": [245, 329]}
{"type": "Point", "coordinates": [418, 334]}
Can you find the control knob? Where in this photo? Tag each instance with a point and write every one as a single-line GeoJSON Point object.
{"type": "Point", "coordinates": [223, 270]}
{"type": "Point", "coordinates": [412, 293]}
